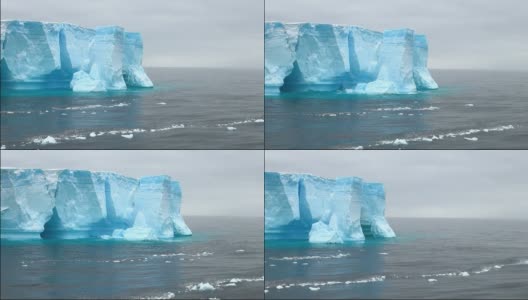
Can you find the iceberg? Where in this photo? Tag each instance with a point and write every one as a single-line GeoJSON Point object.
{"type": "Point", "coordinates": [321, 210]}
{"type": "Point", "coordinates": [81, 204]}
{"type": "Point", "coordinates": [42, 55]}
{"type": "Point", "coordinates": [326, 57]}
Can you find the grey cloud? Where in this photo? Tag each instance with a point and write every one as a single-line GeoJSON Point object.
{"type": "Point", "coordinates": [225, 183]}
{"type": "Point", "coordinates": [465, 184]}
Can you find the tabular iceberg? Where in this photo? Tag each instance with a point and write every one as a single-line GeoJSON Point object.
{"type": "Point", "coordinates": [41, 55]}
{"type": "Point", "coordinates": [79, 204]}
{"type": "Point", "coordinates": [325, 57]}
{"type": "Point", "coordinates": [308, 207]}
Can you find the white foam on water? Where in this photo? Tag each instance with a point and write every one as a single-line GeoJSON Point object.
{"type": "Point", "coordinates": [3, 147]}
{"type": "Point", "coordinates": [128, 133]}
{"type": "Point", "coordinates": [483, 270]}
{"type": "Point", "coordinates": [431, 138]}
{"type": "Point", "coordinates": [473, 139]}
{"type": "Point", "coordinates": [93, 106]}
{"type": "Point", "coordinates": [407, 108]}
{"type": "Point", "coordinates": [432, 280]}
{"type": "Point", "coordinates": [127, 136]}
{"type": "Point", "coordinates": [202, 286]}
{"type": "Point", "coordinates": [45, 141]}
{"type": "Point", "coordinates": [248, 121]}
{"type": "Point", "coordinates": [174, 126]}
{"type": "Point", "coordinates": [240, 251]}
{"type": "Point", "coordinates": [339, 255]}
{"type": "Point", "coordinates": [313, 289]}
{"type": "Point", "coordinates": [162, 103]}
{"type": "Point", "coordinates": [469, 105]}
{"type": "Point", "coordinates": [168, 295]}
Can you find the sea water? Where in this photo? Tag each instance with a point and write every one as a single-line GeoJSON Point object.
{"type": "Point", "coordinates": [471, 110]}
{"type": "Point", "coordinates": [430, 258]}
{"type": "Point", "coordinates": [226, 253]}
{"type": "Point", "coordinates": [186, 109]}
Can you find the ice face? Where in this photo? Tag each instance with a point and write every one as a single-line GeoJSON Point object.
{"type": "Point", "coordinates": [395, 75]}
{"type": "Point", "coordinates": [363, 45]}
{"type": "Point", "coordinates": [133, 71]}
{"type": "Point", "coordinates": [27, 51]}
{"type": "Point", "coordinates": [77, 203]}
{"type": "Point", "coordinates": [325, 57]}
{"type": "Point", "coordinates": [319, 63]}
{"type": "Point", "coordinates": [422, 77]}
{"type": "Point", "coordinates": [60, 55]}
{"type": "Point", "coordinates": [279, 56]}
{"type": "Point", "coordinates": [302, 206]}
{"type": "Point", "coordinates": [28, 199]}
{"type": "Point", "coordinates": [373, 219]}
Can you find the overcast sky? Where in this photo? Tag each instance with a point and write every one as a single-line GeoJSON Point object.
{"type": "Point", "coordinates": [466, 184]}
{"type": "Point", "coordinates": [463, 34]}
{"type": "Point", "coordinates": [223, 183]}
{"type": "Point", "coordinates": [182, 33]}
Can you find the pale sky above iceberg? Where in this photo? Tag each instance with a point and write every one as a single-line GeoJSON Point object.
{"type": "Point", "coordinates": [463, 34]}
{"type": "Point", "coordinates": [446, 184]}
{"type": "Point", "coordinates": [183, 33]}
{"type": "Point", "coordinates": [218, 183]}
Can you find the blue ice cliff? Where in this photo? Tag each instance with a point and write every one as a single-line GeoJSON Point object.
{"type": "Point", "coordinates": [325, 57]}
{"type": "Point", "coordinates": [40, 55]}
{"type": "Point", "coordinates": [80, 204]}
{"type": "Point", "coordinates": [308, 207]}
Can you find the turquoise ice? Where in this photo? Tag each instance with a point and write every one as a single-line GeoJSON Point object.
{"type": "Point", "coordinates": [80, 204]}
{"type": "Point", "coordinates": [38, 55]}
{"type": "Point", "coordinates": [327, 57]}
{"type": "Point", "coordinates": [308, 207]}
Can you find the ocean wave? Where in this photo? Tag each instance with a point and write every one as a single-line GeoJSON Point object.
{"type": "Point", "coordinates": [92, 106]}
{"type": "Point", "coordinates": [318, 284]}
{"type": "Point", "coordinates": [248, 121]}
{"type": "Point", "coordinates": [407, 108]}
{"type": "Point", "coordinates": [220, 284]}
{"type": "Point", "coordinates": [294, 258]}
{"type": "Point", "coordinates": [431, 138]}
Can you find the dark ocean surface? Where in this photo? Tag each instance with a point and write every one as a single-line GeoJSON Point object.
{"type": "Point", "coordinates": [471, 110]}
{"type": "Point", "coordinates": [187, 109]}
{"type": "Point", "coordinates": [430, 258]}
{"type": "Point", "coordinates": [226, 252]}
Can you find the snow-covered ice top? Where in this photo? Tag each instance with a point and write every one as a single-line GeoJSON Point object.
{"type": "Point", "coordinates": [303, 206]}
{"type": "Point", "coordinates": [329, 57]}
{"type": "Point", "coordinates": [77, 203]}
{"type": "Point", "coordinates": [61, 55]}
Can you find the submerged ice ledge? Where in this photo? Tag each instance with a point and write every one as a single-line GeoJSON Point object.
{"type": "Point", "coordinates": [326, 57]}
{"type": "Point", "coordinates": [80, 204]}
{"type": "Point", "coordinates": [308, 207]}
{"type": "Point", "coordinates": [42, 55]}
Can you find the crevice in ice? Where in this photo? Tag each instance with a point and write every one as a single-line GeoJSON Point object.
{"type": "Point", "coordinates": [53, 227]}
{"type": "Point", "coordinates": [293, 79]}
{"type": "Point", "coordinates": [64, 55]}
